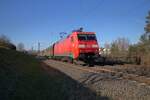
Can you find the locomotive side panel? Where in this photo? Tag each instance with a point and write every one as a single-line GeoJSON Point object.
{"type": "Point", "coordinates": [74, 45]}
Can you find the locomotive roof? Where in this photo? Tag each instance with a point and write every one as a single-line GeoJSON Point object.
{"type": "Point", "coordinates": [84, 32]}
{"type": "Point", "coordinates": [74, 33]}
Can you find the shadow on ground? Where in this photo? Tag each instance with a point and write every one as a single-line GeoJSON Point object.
{"type": "Point", "coordinates": [74, 89]}
{"type": "Point", "coordinates": [22, 77]}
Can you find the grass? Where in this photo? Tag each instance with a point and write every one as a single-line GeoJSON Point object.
{"type": "Point", "coordinates": [22, 78]}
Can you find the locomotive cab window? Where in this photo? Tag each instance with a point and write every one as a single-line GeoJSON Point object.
{"type": "Point", "coordinates": [81, 37]}
{"type": "Point", "coordinates": [86, 37]}
{"type": "Point", "coordinates": [91, 37]}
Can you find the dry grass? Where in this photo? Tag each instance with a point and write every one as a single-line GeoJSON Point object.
{"type": "Point", "coordinates": [22, 77]}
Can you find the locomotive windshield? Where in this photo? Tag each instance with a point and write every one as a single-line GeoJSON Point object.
{"type": "Point", "coordinates": [86, 37]}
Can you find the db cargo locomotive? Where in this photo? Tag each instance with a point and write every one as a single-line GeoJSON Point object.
{"type": "Point", "coordinates": [81, 46]}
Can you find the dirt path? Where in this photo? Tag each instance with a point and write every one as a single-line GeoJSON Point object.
{"type": "Point", "coordinates": [104, 84]}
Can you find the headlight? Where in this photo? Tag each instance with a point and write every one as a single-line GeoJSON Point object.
{"type": "Point", "coordinates": [95, 46]}
{"type": "Point", "coordinates": [81, 46]}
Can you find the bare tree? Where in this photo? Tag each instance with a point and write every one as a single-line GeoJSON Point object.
{"type": "Point", "coordinates": [120, 47]}
{"type": "Point", "coordinates": [107, 45]}
{"type": "Point", "coordinates": [4, 39]}
{"type": "Point", "coordinates": [106, 50]}
{"type": "Point", "coordinates": [20, 47]}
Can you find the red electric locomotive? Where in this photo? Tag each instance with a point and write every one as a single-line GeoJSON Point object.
{"type": "Point", "coordinates": [76, 46]}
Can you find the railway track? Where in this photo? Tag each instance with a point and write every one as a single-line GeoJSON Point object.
{"type": "Point", "coordinates": [143, 80]}
{"type": "Point", "coordinates": [106, 81]}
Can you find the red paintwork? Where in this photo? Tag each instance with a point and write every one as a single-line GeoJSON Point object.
{"type": "Point", "coordinates": [66, 46]}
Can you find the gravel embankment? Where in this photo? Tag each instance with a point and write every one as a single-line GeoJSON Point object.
{"type": "Point", "coordinates": [104, 84]}
{"type": "Point", "coordinates": [131, 69]}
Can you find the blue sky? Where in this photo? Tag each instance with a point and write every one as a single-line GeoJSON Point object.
{"type": "Point", "coordinates": [33, 21]}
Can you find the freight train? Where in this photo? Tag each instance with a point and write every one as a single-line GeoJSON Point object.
{"type": "Point", "coordinates": [77, 46]}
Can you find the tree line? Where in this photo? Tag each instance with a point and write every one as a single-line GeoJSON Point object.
{"type": "Point", "coordinates": [140, 51]}
{"type": "Point", "coordinates": [5, 42]}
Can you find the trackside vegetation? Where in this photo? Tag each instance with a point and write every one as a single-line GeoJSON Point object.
{"type": "Point", "coordinates": [23, 78]}
{"type": "Point", "coordinates": [140, 50]}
